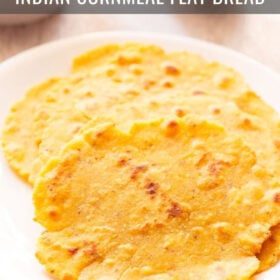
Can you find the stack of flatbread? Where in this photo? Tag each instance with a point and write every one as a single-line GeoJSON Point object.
{"type": "Point", "coordinates": [149, 165]}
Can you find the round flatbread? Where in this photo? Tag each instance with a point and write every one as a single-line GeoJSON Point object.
{"type": "Point", "coordinates": [135, 82]}
{"type": "Point", "coordinates": [174, 199]}
{"type": "Point", "coordinates": [110, 77]}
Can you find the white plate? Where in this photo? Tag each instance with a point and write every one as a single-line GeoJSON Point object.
{"type": "Point", "coordinates": [18, 233]}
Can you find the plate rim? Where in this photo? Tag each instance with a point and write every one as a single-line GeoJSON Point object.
{"type": "Point", "coordinates": [153, 36]}
{"type": "Point", "coordinates": [124, 33]}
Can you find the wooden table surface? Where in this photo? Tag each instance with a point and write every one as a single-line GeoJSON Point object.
{"type": "Point", "coordinates": [255, 35]}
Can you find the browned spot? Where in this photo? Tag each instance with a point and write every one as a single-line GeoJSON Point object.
{"type": "Point", "coordinates": [99, 134]}
{"type": "Point", "coordinates": [168, 84]}
{"type": "Point", "coordinates": [159, 225]}
{"type": "Point", "coordinates": [216, 111]}
{"type": "Point", "coordinates": [151, 189]}
{"type": "Point", "coordinates": [215, 167]}
{"type": "Point", "coordinates": [172, 125]}
{"type": "Point", "coordinates": [122, 162]}
{"type": "Point", "coordinates": [171, 70]}
{"type": "Point", "coordinates": [175, 210]}
{"type": "Point", "coordinates": [172, 128]}
{"type": "Point", "coordinates": [137, 170]}
{"type": "Point", "coordinates": [247, 124]}
{"type": "Point", "coordinates": [148, 84]}
{"type": "Point", "coordinates": [53, 214]}
{"type": "Point", "coordinates": [198, 92]}
{"type": "Point", "coordinates": [180, 113]}
{"type": "Point", "coordinates": [276, 198]}
{"type": "Point", "coordinates": [122, 60]}
{"type": "Point", "coordinates": [73, 251]}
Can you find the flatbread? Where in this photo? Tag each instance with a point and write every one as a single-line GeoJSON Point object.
{"type": "Point", "coordinates": [135, 82]}
{"type": "Point", "coordinates": [172, 199]}
{"type": "Point", "coordinates": [126, 75]}
{"type": "Point", "coordinates": [22, 134]}
{"type": "Point", "coordinates": [270, 251]}
{"type": "Point", "coordinates": [252, 104]}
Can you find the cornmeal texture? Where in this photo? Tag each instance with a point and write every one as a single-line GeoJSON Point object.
{"type": "Point", "coordinates": [113, 79]}
{"type": "Point", "coordinates": [136, 82]}
{"type": "Point", "coordinates": [171, 199]}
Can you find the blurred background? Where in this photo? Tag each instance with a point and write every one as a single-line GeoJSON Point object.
{"type": "Point", "coordinates": [258, 36]}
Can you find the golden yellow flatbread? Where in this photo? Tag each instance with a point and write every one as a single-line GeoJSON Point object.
{"type": "Point", "coordinates": [253, 105]}
{"type": "Point", "coordinates": [22, 135]}
{"type": "Point", "coordinates": [135, 82]}
{"type": "Point", "coordinates": [270, 251]}
{"type": "Point", "coordinates": [129, 76]}
{"type": "Point", "coordinates": [174, 199]}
